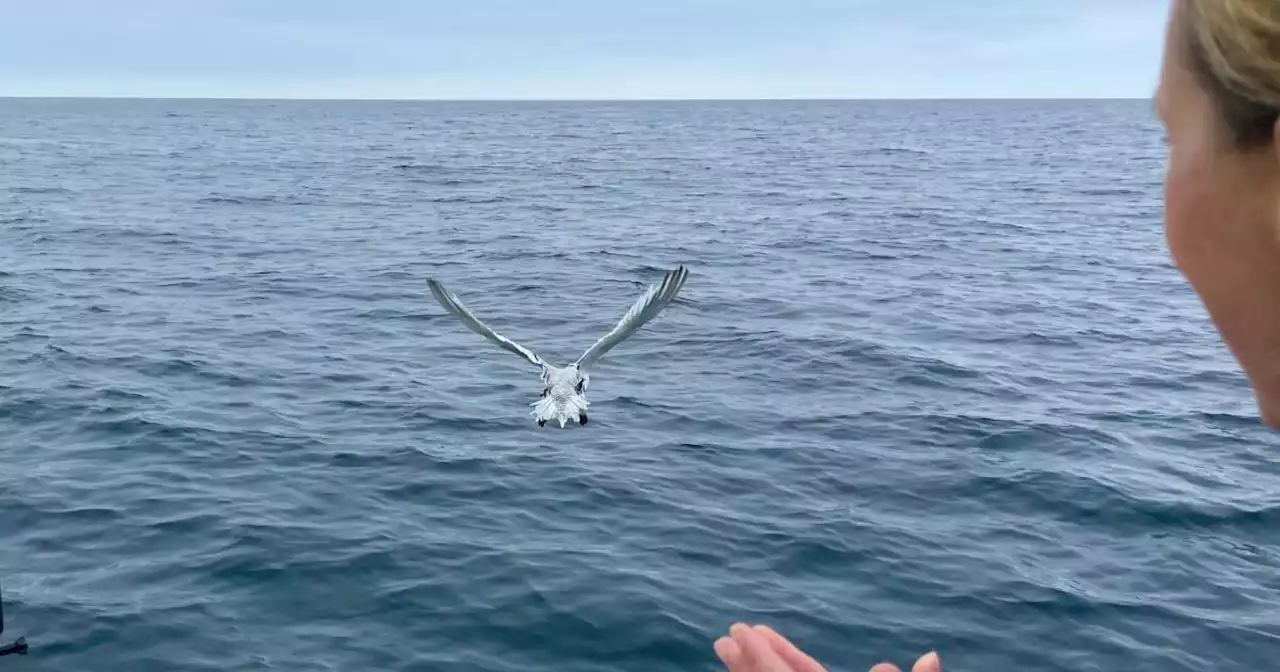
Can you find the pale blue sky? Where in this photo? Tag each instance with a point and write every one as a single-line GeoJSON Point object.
{"type": "Point", "coordinates": [581, 48]}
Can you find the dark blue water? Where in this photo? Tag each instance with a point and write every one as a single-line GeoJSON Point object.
{"type": "Point", "coordinates": [933, 383]}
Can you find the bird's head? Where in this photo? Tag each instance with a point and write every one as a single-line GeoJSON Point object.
{"type": "Point", "coordinates": [564, 396]}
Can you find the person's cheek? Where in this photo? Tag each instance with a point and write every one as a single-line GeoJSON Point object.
{"type": "Point", "coordinates": [1230, 265]}
{"type": "Point", "coordinates": [1188, 223]}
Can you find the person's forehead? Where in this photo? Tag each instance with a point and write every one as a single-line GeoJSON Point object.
{"type": "Point", "coordinates": [1175, 73]}
{"type": "Point", "coordinates": [1168, 63]}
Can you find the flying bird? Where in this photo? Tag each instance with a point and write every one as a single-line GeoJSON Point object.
{"type": "Point", "coordinates": [565, 388]}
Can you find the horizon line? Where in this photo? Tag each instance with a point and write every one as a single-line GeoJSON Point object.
{"type": "Point", "coordinates": [651, 99]}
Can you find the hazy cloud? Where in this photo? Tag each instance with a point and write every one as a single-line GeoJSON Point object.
{"type": "Point", "coordinates": [581, 48]}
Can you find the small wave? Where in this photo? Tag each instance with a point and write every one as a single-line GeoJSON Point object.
{"type": "Point", "coordinates": [32, 191]}
{"type": "Point", "coordinates": [1032, 338]}
{"type": "Point", "coordinates": [1081, 499]}
{"type": "Point", "coordinates": [421, 167]}
{"type": "Point", "coordinates": [238, 200]}
{"type": "Point", "coordinates": [264, 199]}
{"type": "Point", "coordinates": [1112, 191]}
{"type": "Point", "coordinates": [884, 151]}
{"type": "Point", "coordinates": [447, 181]}
{"type": "Point", "coordinates": [134, 426]}
{"type": "Point", "coordinates": [473, 200]}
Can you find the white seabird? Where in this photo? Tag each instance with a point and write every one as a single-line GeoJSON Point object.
{"type": "Point", "coordinates": [564, 388]}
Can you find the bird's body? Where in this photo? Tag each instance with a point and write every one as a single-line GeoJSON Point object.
{"type": "Point", "coordinates": [564, 388]}
{"type": "Point", "coordinates": [564, 395]}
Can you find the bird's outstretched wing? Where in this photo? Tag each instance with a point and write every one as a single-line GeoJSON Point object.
{"type": "Point", "coordinates": [644, 309]}
{"type": "Point", "coordinates": [460, 311]}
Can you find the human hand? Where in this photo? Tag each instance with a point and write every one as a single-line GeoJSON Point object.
{"type": "Point", "coordinates": [760, 649]}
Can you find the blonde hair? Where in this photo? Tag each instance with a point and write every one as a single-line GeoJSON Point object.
{"type": "Point", "coordinates": [1235, 50]}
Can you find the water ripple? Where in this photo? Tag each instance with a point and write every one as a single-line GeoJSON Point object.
{"type": "Point", "coordinates": [946, 392]}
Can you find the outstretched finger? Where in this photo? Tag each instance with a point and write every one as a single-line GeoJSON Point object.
{"type": "Point", "coordinates": [756, 651]}
{"type": "Point", "coordinates": [885, 667]}
{"type": "Point", "coordinates": [790, 654]}
{"type": "Point", "coordinates": [929, 662]}
{"type": "Point", "coordinates": [731, 655]}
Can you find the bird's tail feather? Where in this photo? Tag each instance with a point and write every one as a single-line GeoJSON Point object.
{"type": "Point", "coordinates": [560, 409]}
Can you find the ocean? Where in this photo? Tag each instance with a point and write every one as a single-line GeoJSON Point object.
{"type": "Point", "coordinates": [933, 383]}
